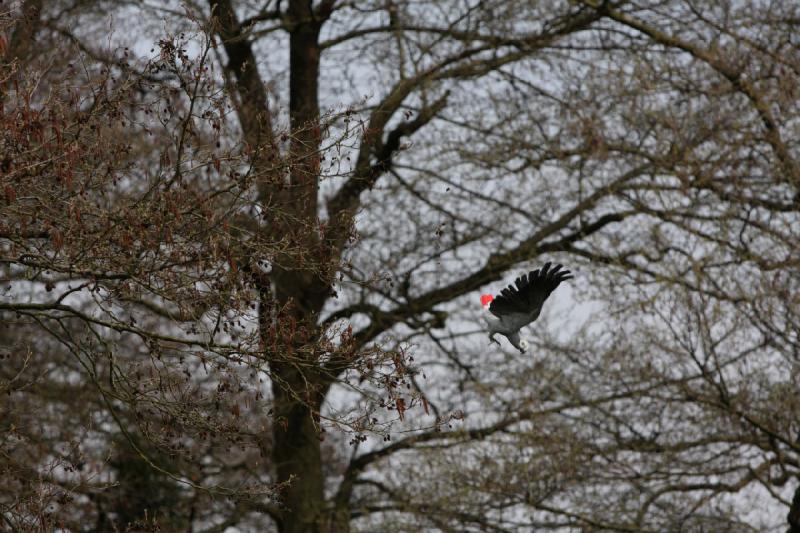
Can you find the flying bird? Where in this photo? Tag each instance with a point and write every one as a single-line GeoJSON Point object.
{"type": "Point", "coordinates": [516, 307]}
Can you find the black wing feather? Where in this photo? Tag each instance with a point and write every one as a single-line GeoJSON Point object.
{"type": "Point", "coordinates": [531, 291]}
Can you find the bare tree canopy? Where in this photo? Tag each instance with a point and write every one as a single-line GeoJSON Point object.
{"type": "Point", "coordinates": [242, 245]}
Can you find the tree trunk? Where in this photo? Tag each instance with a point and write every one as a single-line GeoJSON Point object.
{"type": "Point", "coordinates": [293, 286]}
{"type": "Point", "coordinates": [296, 452]}
{"type": "Point", "coordinates": [297, 393]}
{"type": "Point", "coordinates": [794, 514]}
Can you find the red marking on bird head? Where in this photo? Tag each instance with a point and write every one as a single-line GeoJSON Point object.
{"type": "Point", "coordinates": [486, 299]}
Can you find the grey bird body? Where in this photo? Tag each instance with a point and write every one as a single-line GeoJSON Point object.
{"type": "Point", "coordinates": [520, 304]}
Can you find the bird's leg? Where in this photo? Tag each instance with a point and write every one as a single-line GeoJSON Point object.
{"type": "Point", "coordinates": [493, 340]}
{"type": "Point", "coordinates": [523, 346]}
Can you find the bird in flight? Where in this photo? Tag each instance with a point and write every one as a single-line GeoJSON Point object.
{"type": "Point", "coordinates": [517, 306]}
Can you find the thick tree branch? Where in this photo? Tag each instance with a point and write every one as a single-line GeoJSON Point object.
{"type": "Point", "coordinates": [500, 262]}
{"type": "Point", "coordinates": [253, 110]}
{"type": "Point", "coordinates": [464, 65]}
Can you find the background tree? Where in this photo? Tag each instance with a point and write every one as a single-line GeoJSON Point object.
{"type": "Point", "coordinates": [266, 242]}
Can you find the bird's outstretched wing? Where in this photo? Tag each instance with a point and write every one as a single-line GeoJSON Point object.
{"type": "Point", "coordinates": [530, 293]}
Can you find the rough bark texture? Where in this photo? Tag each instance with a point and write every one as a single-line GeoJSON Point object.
{"type": "Point", "coordinates": [296, 453]}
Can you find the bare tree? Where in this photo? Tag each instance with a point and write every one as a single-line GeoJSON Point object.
{"type": "Point", "coordinates": [247, 267]}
